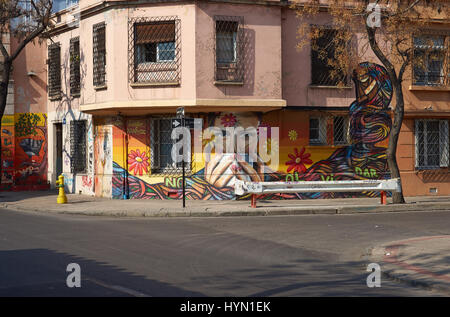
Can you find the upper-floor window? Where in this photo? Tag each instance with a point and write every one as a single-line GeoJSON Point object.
{"type": "Point", "coordinates": [74, 55]}
{"type": "Point", "coordinates": [54, 71]}
{"type": "Point", "coordinates": [429, 61]}
{"type": "Point", "coordinates": [155, 50]}
{"type": "Point", "coordinates": [229, 49]}
{"type": "Point", "coordinates": [99, 54]}
{"type": "Point", "coordinates": [323, 55]}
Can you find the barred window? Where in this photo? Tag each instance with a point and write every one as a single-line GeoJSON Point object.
{"type": "Point", "coordinates": [432, 143]}
{"type": "Point", "coordinates": [322, 54]}
{"type": "Point", "coordinates": [229, 49]}
{"type": "Point", "coordinates": [78, 146]}
{"type": "Point", "coordinates": [429, 61]}
{"type": "Point", "coordinates": [161, 147]}
{"type": "Point", "coordinates": [154, 48]}
{"type": "Point", "coordinates": [75, 66]}
{"type": "Point", "coordinates": [317, 131]}
{"type": "Point", "coordinates": [328, 130]}
{"type": "Point", "coordinates": [340, 130]}
{"type": "Point", "coordinates": [54, 70]}
{"type": "Point", "coordinates": [99, 54]}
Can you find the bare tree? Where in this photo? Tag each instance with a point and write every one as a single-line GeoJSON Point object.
{"type": "Point", "coordinates": [387, 28]}
{"type": "Point", "coordinates": [26, 21]}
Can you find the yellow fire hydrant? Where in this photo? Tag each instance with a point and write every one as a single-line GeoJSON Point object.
{"type": "Point", "coordinates": [62, 199]}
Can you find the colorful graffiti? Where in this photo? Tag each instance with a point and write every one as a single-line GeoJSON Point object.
{"type": "Point", "coordinates": [7, 154]}
{"type": "Point", "coordinates": [364, 157]}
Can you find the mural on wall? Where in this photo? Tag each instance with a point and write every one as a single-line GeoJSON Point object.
{"type": "Point", "coordinates": [7, 154]}
{"type": "Point", "coordinates": [30, 148]}
{"type": "Point", "coordinates": [102, 159]}
{"type": "Point", "coordinates": [363, 158]}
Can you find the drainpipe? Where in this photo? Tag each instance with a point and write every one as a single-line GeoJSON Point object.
{"type": "Point", "coordinates": [125, 179]}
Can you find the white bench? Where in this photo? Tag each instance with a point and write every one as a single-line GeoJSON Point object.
{"type": "Point", "coordinates": [258, 188]}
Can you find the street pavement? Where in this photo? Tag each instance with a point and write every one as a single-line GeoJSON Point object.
{"type": "Point", "coordinates": [278, 255]}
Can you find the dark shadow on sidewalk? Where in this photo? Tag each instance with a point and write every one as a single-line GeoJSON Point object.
{"type": "Point", "coordinates": [10, 196]}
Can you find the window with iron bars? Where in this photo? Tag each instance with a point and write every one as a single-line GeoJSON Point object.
{"type": "Point", "coordinates": [322, 52]}
{"type": "Point", "coordinates": [54, 71]}
{"type": "Point", "coordinates": [229, 49]}
{"type": "Point", "coordinates": [432, 143]}
{"type": "Point", "coordinates": [319, 133]}
{"type": "Point", "coordinates": [78, 146]}
{"type": "Point", "coordinates": [99, 54]}
{"type": "Point", "coordinates": [431, 61]}
{"type": "Point", "coordinates": [154, 50]}
{"type": "Point", "coordinates": [75, 67]}
{"type": "Point", "coordinates": [161, 148]}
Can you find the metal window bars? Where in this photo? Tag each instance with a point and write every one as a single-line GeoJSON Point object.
{"type": "Point", "coordinates": [229, 48]}
{"type": "Point", "coordinates": [54, 71]}
{"type": "Point", "coordinates": [323, 50]}
{"type": "Point", "coordinates": [154, 50]}
{"type": "Point", "coordinates": [340, 130]}
{"type": "Point", "coordinates": [99, 54]}
{"type": "Point", "coordinates": [74, 66]}
{"type": "Point", "coordinates": [430, 60]}
{"type": "Point", "coordinates": [78, 146]}
{"type": "Point", "coordinates": [431, 144]}
{"type": "Point", "coordinates": [161, 148]}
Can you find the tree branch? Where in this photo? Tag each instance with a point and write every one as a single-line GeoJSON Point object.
{"type": "Point", "coordinates": [28, 39]}
{"type": "Point", "coordinates": [376, 49]}
{"type": "Point", "coordinates": [3, 49]}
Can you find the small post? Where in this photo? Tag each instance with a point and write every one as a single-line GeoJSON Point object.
{"type": "Point", "coordinates": [253, 200]}
{"type": "Point", "coordinates": [383, 198]}
{"type": "Point", "coordinates": [184, 188]}
{"type": "Point", "coordinates": [62, 198]}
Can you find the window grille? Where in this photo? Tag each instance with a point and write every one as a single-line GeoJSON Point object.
{"type": "Point", "coordinates": [432, 143]}
{"type": "Point", "coordinates": [54, 70]}
{"type": "Point", "coordinates": [322, 53]}
{"type": "Point", "coordinates": [229, 48]}
{"type": "Point", "coordinates": [78, 146]}
{"type": "Point", "coordinates": [340, 130]}
{"type": "Point", "coordinates": [99, 54]}
{"type": "Point", "coordinates": [155, 50]}
{"type": "Point", "coordinates": [429, 61]}
{"type": "Point", "coordinates": [318, 130]}
{"type": "Point", "coordinates": [75, 66]}
{"type": "Point", "coordinates": [161, 148]}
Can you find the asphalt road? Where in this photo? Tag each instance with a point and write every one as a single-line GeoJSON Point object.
{"type": "Point", "coordinates": [309, 255]}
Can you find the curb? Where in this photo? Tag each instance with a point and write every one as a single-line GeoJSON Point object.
{"type": "Point", "coordinates": [261, 211]}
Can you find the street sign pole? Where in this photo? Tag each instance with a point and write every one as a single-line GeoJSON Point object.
{"type": "Point", "coordinates": [180, 114]}
{"type": "Point", "coordinates": [184, 177]}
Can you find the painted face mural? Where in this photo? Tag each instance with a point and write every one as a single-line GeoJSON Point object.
{"type": "Point", "coordinates": [363, 158]}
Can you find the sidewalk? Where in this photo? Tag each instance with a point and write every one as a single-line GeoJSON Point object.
{"type": "Point", "coordinates": [423, 261]}
{"type": "Point", "coordinates": [45, 201]}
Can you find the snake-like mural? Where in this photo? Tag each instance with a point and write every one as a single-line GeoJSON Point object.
{"type": "Point", "coordinates": [364, 157]}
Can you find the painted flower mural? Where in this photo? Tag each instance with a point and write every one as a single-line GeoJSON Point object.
{"type": "Point", "coordinates": [138, 162]}
{"type": "Point", "coordinates": [228, 120]}
{"type": "Point", "coordinates": [293, 135]}
{"type": "Point", "coordinates": [298, 161]}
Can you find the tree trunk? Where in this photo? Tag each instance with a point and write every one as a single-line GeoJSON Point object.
{"type": "Point", "coordinates": [397, 198]}
{"type": "Point", "coordinates": [4, 83]}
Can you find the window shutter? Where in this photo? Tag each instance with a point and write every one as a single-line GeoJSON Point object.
{"type": "Point", "coordinates": [443, 143]}
{"type": "Point", "coordinates": [416, 137]}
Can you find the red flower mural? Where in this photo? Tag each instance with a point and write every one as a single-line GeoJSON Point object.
{"type": "Point", "coordinates": [138, 162]}
{"type": "Point", "coordinates": [229, 120]}
{"type": "Point", "coordinates": [298, 161]}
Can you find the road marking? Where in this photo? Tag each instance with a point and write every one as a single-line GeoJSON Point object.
{"type": "Point", "coordinates": [119, 288]}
